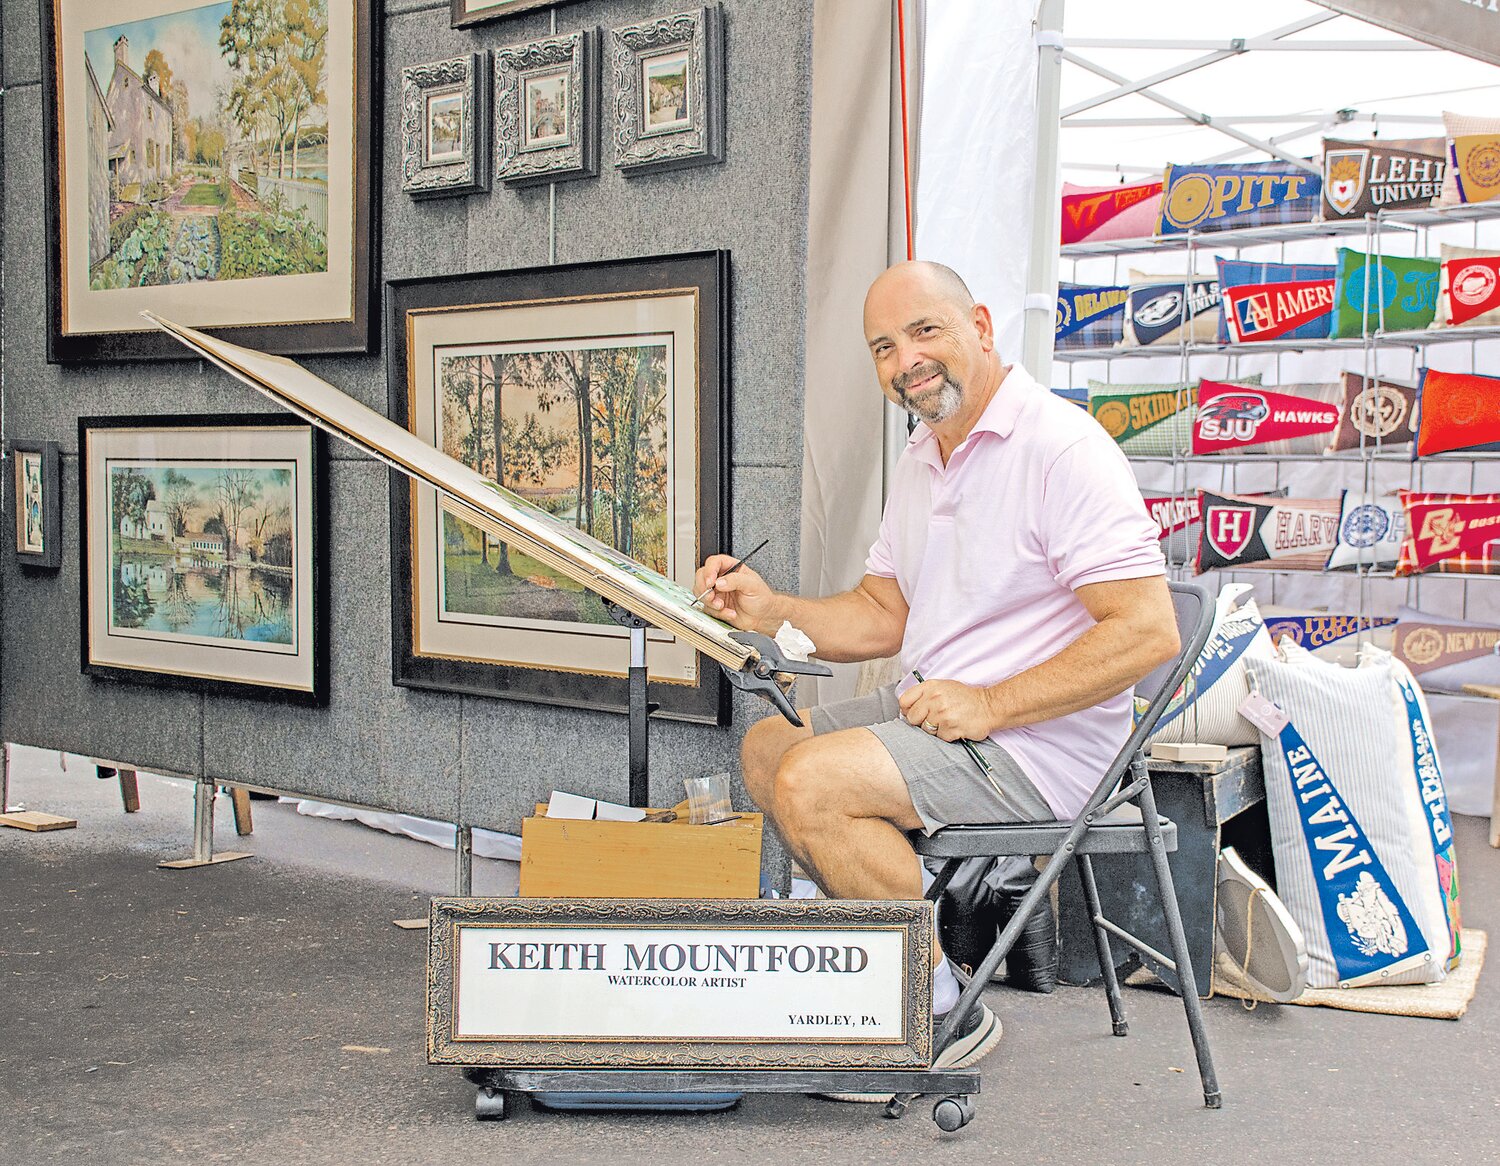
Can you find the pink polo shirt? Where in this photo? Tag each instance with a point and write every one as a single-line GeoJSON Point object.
{"type": "Point", "coordinates": [1038, 500]}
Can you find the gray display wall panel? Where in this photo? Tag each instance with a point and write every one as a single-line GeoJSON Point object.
{"type": "Point", "coordinates": [484, 762]}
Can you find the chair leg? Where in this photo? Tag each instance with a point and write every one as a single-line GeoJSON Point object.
{"type": "Point", "coordinates": [1186, 981]}
{"type": "Point", "coordinates": [1101, 945]}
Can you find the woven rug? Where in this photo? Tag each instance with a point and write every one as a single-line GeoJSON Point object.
{"type": "Point", "coordinates": [1445, 1001]}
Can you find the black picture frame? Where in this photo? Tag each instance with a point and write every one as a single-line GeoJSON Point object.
{"type": "Point", "coordinates": [703, 276]}
{"type": "Point", "coordinates": [35, 464]}
{"type": "Point", "coordinates": [358, 333]}
{"type": "Point", "coordinates": [309, 446]}
{"type": "Point", "coordinates": [461, 17]}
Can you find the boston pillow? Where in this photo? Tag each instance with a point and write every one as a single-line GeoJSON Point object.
{"type": "Point", "coordinates": [1454, 533]}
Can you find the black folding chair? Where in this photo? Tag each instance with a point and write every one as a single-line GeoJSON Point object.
{"type": "Point", "coordinates": [1118, 819]}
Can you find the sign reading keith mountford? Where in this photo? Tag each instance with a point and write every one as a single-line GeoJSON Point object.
{"type": "Point", "coordinates": [725, 983]}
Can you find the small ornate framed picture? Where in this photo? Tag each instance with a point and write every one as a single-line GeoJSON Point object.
{"type": "Point", "coordinates": [445, 134]}
{"type": "Point", "coordinates": [546, 109]}
{"type": "Point", "coordinates": [470, 12]}
{"type": "Point", "coordinates": [35, 503]}
{"type": "Point", "coordinates": [667, 91]}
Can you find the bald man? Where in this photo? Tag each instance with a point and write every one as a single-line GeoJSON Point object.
{"type": "Point", "coordinates": [1016, 570]}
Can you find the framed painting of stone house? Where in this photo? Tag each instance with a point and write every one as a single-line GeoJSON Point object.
{"type": "Point", "coordinates": [203, 553]}
{"type": "Point", "coordinates": [599, 392]}
{"type": "Point", "coordinates": [213, 161]}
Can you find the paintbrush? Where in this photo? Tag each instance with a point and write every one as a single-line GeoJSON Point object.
{"type": "Point", "coordinates": [709, 590]}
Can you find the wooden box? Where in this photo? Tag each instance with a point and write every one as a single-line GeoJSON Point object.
{"type": "Point", "coordinates": [575, 859]}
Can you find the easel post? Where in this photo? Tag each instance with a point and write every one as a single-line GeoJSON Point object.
{"type": "Point", "coordinates": [203, 832]}
{"type": "Point", "coordinates": [463, 860]}
{"type": "Point", "coordinates": [640, 761]}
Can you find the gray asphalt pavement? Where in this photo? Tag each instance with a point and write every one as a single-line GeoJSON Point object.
{"type": "Point", "coordinates": [268, 1010]}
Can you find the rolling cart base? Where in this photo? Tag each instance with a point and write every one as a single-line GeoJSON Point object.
{"type": "Point", "coordinates": [952, 1111]}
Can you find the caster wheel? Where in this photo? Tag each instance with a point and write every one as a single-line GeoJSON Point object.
{"type": "Point", "coordinates": [489, 1104]}
{"type": "Point", "coordinates": [953, 1113]}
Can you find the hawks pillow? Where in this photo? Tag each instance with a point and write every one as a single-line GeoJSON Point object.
{"type": "Point", "coordinates": [1401, 296]}
{"type": "Point", "coordinates": [1377, 411]}
{"type": "Point", "coordinates": [1148, 420]}
{"type": "Point", "coordinates": [1457, 411]}
{"type": "Point", "coordinates": [1093, 214]}
{"type": "Point", "coordinates": [1291, 534]}
{"type": "Point", "coordinates": [1286, 419]}
{"type": "Point", "coordinates": [1371, 529]}
{"type": "Point", "coordinates": [1165, 309]}
{"type": "Point", "coordinates": [1455, 533]}
{"type": "Point", "coordinates": [1468, 289]}
{"type": "Point", "coordinates": [1089, 316]}
{"type": "Point", "coordinates": [1361, 178]}
{"type": "Point", "coordinates": [1271, 301]}
{"type": "Point", "coordinates": [1220, 197]}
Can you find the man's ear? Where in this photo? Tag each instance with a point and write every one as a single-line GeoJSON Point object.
{"type": "Point", "coordinates": [985, 326]}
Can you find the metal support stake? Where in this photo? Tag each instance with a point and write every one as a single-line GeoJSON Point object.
{"type": "Point", "coordinates": [203, 832]}
{"type": "Point", "coordinates": [640, 759]}
{"type": "Point", "coordinates": [463, 861]}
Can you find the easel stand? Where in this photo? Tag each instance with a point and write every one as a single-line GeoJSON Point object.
{"type": "Point", "coordinates": [704, 1089]}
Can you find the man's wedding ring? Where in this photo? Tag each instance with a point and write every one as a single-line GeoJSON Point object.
{"type": "Point", "coordinates": [929, 727]}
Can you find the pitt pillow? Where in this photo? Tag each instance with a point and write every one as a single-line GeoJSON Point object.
{"type": "Point", "coordinates": [1254, 194]}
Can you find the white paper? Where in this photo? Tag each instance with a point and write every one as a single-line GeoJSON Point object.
{"type": "Point", "coordinates": [562, 805]}
{"type": "Point", "coordinates": [794, 643]}
{"type": "Point", "coordinates": [614, 812]}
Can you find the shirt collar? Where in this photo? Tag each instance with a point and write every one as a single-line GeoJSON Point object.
{"type": "Point", "coordinates": [999, 416]}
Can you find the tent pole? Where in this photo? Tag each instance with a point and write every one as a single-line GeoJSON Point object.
{"type": "Point", "coordinates": [1040, 306]}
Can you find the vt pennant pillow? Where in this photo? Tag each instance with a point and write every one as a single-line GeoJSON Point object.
{"type": "Point", "coordinates": [1446, 654]}
{"type": "Point", "coordinates": [1220, 197]}
{"type": "Point", "coordinates": [1371, 530]}
{"type": "Point", "coordinates": [1457, 411]}
{"type": "Point", "coordinates": [1401, 294]}
{"type": "Point", "coordinates": [1270, 301]}
{"type": "Point", "coordinates": [1361, 178]}
{"type": "Point", "coordinates": [1469, 288]}
{"type": "Point", "coordinates": [1089, 316]}
{"type": "Point", "coordinates": [1092, 214]}
{"type": "Point", "coordinates": [1375, 411]}
{"type": "Point", "coordinates": [1289, 419]}
{"type": "Point", "coordinates": [1165, 309]}
{"type": "Point", "coordinates": [1356, 874]}
{"type": "Point", "coordinates": [1458, 533]}
{"type": "Point", "coordinates": [1291, 534]}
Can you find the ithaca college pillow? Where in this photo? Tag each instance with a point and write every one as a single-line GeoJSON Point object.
{"type": "Point", "coordinates": [1361, 178]}
{"type": "Point", "coordinates": [1092, 214]}
{"type": "Point", "coordinates": [1288, 419]}
{"type": "Point", "coordinates": [1271, 301]}
{"type": "Point", "coordinates": [1290, 534]}
{"type": "Point", "coordinates": [1456, 533]}
{"type": "Point", "coordinates": [1089, 316]}
{"type": "Point", "coordinates": [1469, 289]}
{"type": "Point", "coordinates": [1402, 295]}
{"type": "Point", "coordinates": [1375, 412]}
{"type": "Point", "coordinates": [1218, 198]}
{"type": "Point", "coordinates": [1165, 309]}
{"type": "Point", "coordinates": [1457, 411]}
{"type": "Point", "coordinates": [1332, 637]}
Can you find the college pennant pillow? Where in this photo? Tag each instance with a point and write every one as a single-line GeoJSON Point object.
{"type": "Point", "coordinates": [1469, 288]}
{"type": "Point", "coordinates": [1457, 411]}
{"type": "Point", "coordinates": [1291, 534]}
{"type": "Point", "coordinates": [1269, 311]}
{"type": "Point", "coordinates": [1455, 126]}
{"type": "Point", "coordinates": [1218, 197]}
{"type": "Point", "coordinates": [1263, 319]}
{"type": "Point", "coordinates": [1089, 316]}
{"type": "Point", "coordinates": [1164, 307]}
{"type": "Point", "coordinates": [1330, 637]}
{"type": "Point", "coordinates": [1235, 417]}
{"type": "Point", "coordinates": [1149, 420]}
{"type": "Point", "coordinates": [1093, 214]}
{"type": "Point", "coordinates": [1360, 178]}
{"type": "Point", "coordinates": [1455, 532]}
{"type": "Point", "coordinates": [1447, 654]}
{"type": "Point", "coordinates": [1402, 293]}
{"type": "Point", "coordinates": [1476, 162]}
{"type": "Point", "coordinates": [1371, 530]}
{"type": "Point", "coordinates": [1375, 412]}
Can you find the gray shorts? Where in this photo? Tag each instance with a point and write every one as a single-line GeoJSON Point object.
{"type": "Point", "coordinates": [946, 787]}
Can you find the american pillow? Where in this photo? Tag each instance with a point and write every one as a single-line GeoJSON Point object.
{"type": "Point", "coordinates": [1274, 314]}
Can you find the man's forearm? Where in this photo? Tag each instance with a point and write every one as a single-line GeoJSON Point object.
{"type": "Point", "coordinates": [1110, 657]}
{"type": "Point", "coordinates": [847, 628]}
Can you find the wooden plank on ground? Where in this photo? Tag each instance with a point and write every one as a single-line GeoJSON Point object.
{"type": "Point", "coordinates": [36, 821]}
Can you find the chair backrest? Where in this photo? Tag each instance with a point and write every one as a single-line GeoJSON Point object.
{"type": "Point", "coordinates": [1194, 611]}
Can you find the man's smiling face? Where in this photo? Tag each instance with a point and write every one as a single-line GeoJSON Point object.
{"type": "Point", "coordinates": [925, 342]}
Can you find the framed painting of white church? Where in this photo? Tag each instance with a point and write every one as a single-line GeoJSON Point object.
{"type": "Point", "coordinates": [212, 161]}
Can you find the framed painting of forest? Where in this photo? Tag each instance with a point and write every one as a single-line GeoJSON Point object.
{"type": "Point", "coordinates": [598, 391]}
{"type": "Point", "coordinates": [203, 557]}
{"type": "Point", "coordinates": [215, 161]}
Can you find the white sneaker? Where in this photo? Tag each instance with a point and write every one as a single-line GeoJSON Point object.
{"type": "Point", "coordinates": [975, 1040]}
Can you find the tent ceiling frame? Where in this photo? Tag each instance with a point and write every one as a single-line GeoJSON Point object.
{"type": "Point", "coordinates": [1340, 115]}
{"type": "Point", "coordinates": [1265, 44]}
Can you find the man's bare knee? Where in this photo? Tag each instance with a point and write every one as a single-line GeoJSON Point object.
{"type": "Point", "coordinates": [762, 751]}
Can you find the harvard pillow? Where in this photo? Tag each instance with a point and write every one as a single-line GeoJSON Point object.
{"type": "Point", "coordinates": [1457, 411]}
{"type": "Point", "coordinates": [1290, 534]}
